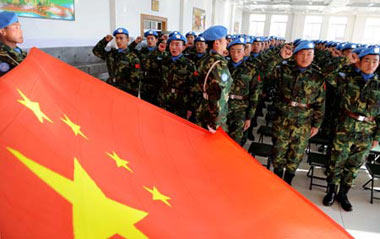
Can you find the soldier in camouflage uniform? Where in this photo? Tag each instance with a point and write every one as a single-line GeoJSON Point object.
{"type": "Point", "coordinates": [214, 81]}
{"type": "Point", "coordinates": [178, 80]}
{"type": "Point", "coordinates": [201, 48]}
{"type": "Point", "coordinates": [152, 81]}
{"type": "Point", "coordinates": [299, 100]}
{"type": "Point", "coordinates": [190, 46]}
{"type": "Point", "coordinates": [245, 91]}
{"type": "Point", "coordinates": [359, 127]}
{"type": "Point", "coordinates": [10, 35]}
{"type": "Point", "coordinates": [123, 66]}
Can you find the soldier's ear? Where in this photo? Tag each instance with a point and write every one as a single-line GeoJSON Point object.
{"type": "Point", "coordinates": [2, 32]}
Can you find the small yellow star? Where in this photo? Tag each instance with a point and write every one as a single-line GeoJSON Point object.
{"type": "Point", "coordinates": [33, 106]}
{"type": "Point", "coordinates": [120, 163]}
{"type": "Point", "coordinates": [158, 196]}
{"type": "Point", "coordinates": [74, 127]}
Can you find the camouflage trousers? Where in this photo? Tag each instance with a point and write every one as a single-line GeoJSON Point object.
{"type": "Point", "coordinates": [290, 139]}
{"type": "Point", "coordinates": [235, 122]}
{"type": "Point", "coordinates": [348, 154]}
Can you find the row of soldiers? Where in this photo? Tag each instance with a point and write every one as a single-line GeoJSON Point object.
{"type": "Point", "coordinates": [216, 80]}
{"type": "Point", "coordinates": [315, 87]}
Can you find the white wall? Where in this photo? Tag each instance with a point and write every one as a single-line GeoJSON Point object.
{"type": "Point", "coordinates": [92, 21]}
{"type": "Point", "coordinates": [188, 13]}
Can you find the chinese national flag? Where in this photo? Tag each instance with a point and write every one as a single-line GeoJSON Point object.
{"type": "Point", "coordinates": [81, 159]}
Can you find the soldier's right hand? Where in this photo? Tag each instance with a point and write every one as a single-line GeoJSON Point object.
{"type": "Point", "coordinates": [138, 40]}
{"type": "Point", "coordinates": [109, 38]}
{"type": "Point", "coordinates": [286, 51]}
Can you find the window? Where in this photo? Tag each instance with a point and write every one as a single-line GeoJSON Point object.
{"type": "Point", "coordinates": [278, 25]}
{"type": "Point", "coordinates": [312, 28]}
{"type": "Point", "coordinates": [257, 22]}
{"type": "Point", "coordinates": [372, 31]}
{"type": "Point", "coordinates": [337, 28]}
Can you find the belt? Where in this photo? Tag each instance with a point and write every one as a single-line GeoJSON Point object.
{"type": "Point", "coordinates": [296, 104]}
{"type": "Point", "coordinates": [360, 118]}
{"type": "Point", "coordinates": [238, 97]}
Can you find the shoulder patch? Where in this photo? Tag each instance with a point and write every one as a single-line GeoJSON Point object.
{"type": "Point", "coordinates": [284, 62]}
{"type": "Point", "coordinates": [341, 74]}
{"type": "Point", "coordinates": [224, 77]}
{"type": "Point", "coordinates": [4, 67]}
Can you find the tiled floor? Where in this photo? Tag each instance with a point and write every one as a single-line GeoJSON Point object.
{"type": "Point", "coordinates": [363, 222]}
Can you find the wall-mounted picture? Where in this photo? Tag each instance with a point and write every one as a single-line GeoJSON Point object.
{"type": "Point", "coordinates": [199, 19]}
{"type": "Point", "coordinates": [52, 9]}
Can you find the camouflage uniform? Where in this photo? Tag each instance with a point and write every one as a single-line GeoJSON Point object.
{"type": "Point", "coordinates": [10, 58]}
{"type": "Point", "coordinates": [152, 80]}
{"type": "Point", "coordinates": [196, 58]}
{"type": "Point", "coordinates": [123, 66]}
{"type": "Point", "coordinates": [291, 129]}
{"type": "Point", "coordinates": [245, 91]}
{"type": "Point", "coordinates": [353, 138]}
{"type": "Point", "coordinates": [190, 51]}
{"type": "Point", "coordinates": [178, 86]}
{"type": "Point", "coordinates": [213, 108]}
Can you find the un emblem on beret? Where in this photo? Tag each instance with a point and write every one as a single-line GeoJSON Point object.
{"type": "Point", "coordinates": [120, 30]}
{"type": "Point", "coordinates": [177, 36]}
{"type": "Point", "coordinates": [376, 50]}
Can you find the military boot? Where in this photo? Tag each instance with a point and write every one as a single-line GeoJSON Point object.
{"type": "Point", "coordinates": [279, 172]}
{"type": "Point", "coordinates": [329, 199]}
{"type": "Point", "coordinates": [288, 177]}
{"type": "Point", "coordinates": [343, 199]}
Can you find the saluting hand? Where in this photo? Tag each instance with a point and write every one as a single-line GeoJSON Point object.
{"type": "Point", "coordinates": [138, 40]}
{"type": "Point", "coordinates": [286, 51]}
{"type": "Point", "coordinates": [109, 38]}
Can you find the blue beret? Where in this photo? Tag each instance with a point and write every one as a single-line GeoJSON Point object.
{"type": "Point", "coordinates": [215, 33]}
{"type": "Point", "coordinates": [303, 45]}
{"type": "Point", "coordinates": [358, 50]}
{"type": "Point", "coordinates": [120, 30]}
{"type": "Point", "coordinates": [7, 18]}
{"type": "Point", "coordinates": [249, 40]}
{"type": "Point", "coordinates": [150, 33]}
{"type": "Point", "coordinates": [200, 39]}
{"type": "Point", "coordinates": [297, 41]}
{"type": "Point", "coordinates": [177, 37]}
{"type": "Point", "coordinates": [339, 46]}
{"type": "Point", "coordinates": [237, 41]}
{"type": "Point", "coordinates": [258, 39]}
{"type": "Point", "coordinates": [369, 51]}
{"type": "Point", "coordinates": [175, 32]}
{"type": "Point", "coordinates": [229, 36]}
{"type": "Point", "coordinates": [191, 34]}
{"type": "Point", "coordinates": [349, 46]}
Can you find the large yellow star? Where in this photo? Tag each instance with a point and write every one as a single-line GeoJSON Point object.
{"type": "Point", "coordinates": [157, 196]}
{"type": "Point", "coordinates": [94, 215]}
{"type": "Point", "coordinates": [119, 161]}
{"type": "Point", "coordinates": [34, 107]}
{"type": "Point", "coordinates": [74, 127]}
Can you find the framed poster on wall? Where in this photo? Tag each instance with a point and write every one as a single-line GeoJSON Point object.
{"type": "Point", "coordinates": [51, 9]}
{"type": "Point", "coordinates": [155, 5]}
{"type": "Point", "coordinates": [199, 19]}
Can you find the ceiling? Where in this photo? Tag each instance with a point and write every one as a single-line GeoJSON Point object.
{"type": "Point", "coordinates": [311, 6]}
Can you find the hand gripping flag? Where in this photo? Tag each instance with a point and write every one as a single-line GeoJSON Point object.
{"type": "Point", "coordinates": [81, 159]}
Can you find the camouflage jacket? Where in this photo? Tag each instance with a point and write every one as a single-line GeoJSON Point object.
{"type": "Point", "coordinates": [151, 66]}
{"type": "Point", "coordinates": [190, 51]}
{"type": "Point", "coordinates": [293, 85]}
{"type": "Point", "coordinates": [195, 58]}
{"type": "Point", "coordinates": [215, 90]}
{"type": "Point", "coordinates": [361, 98]}
{"type": "Point", "coordinates": [247, 86]}
{"type": "Point", "coordinates": [9, 58]}
{"type": "Point", "coordinates": [178, 84]}
{"type": "Point", "coordinates": [123, 66]}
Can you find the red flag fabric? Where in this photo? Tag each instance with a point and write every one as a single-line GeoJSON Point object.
{"type": "Point", "coordinates": [81, 159]}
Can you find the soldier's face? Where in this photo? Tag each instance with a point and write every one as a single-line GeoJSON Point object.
{"type": "Point", "coordinates": [190, 40]}
{"type": "Point", "coordinates": [12, 33]}
{"type": "Point", "coordinates": [248, 49]}
{"type": "Point", "coordinates": [121, 41]}
{"type": "Point", "coordinates": [162, 46]}
{"type": "Point", "coordinates": [221, 44]}
{"type": "Point", "coordinates": [151, 41]}
{"type": "Point", "coordinates": [229, 41]}
{"type": "Point", "coordinates": [369, 63]}
{"type": "Point", "coordinates": [347, 53]}
{"type": "Point", "coordinates": [304, 58]}
{"type": "Point", "coordinates": [201, 47]}
{"type": "Point", "coordinates": [256, 47]}
{"type": "Point", "coordinates": [237, 53]}
{"type": "Point", "coordinates": [176, 48]}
